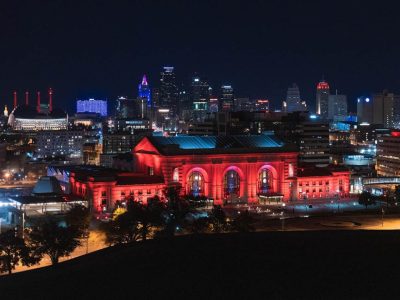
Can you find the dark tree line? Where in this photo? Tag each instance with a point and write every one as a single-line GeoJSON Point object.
{"type": "Point", "coordinates": [51, 237]}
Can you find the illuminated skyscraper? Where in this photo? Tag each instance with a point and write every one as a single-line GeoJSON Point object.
{"type": "Point", "coordinates": [200, 93]}
{"type": "Point", "coordinates": [144, 91]}
{"type": "Point", "coordinates": [168, 92]}
{"type": "Point", "coordinates": [227, 98]}
{"type": "Point", "coordinates": [322, 99]}
{"type": "Point", "coordinates": [337, 106]}
{"type": "Point", "coordinates": [293, 100]}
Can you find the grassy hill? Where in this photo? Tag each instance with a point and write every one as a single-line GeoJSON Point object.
{"type": "Point", "coordinates": [273, 265]}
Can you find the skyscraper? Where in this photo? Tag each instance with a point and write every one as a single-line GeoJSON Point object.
{"type": "Point", "coordinates": [337, 106]}
{"type": "Point", "coordinates": [200, 93]}
{"type": "Point", "coordinates": [322, 99]}
{"type": "Point", "coordinates": [144, 91]}
{"type": "Point", "coordinates": [364, 110]}
{"type": "Point", "coordinates": [293, 100]}
{"type": "Point", "coordinates": [227, 98]}
{"type": "Point", "coordinates": [386, 109]}
{"type": "Point", "coordinates": [168, 92]}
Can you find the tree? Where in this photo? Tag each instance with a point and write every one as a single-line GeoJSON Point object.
{"type": "Point", "coordinates": [54, 239]}
{"type": "Point", "coordinates": [199, 225]}
{"type": "Point", "coordinates": [176, 210]}
{"type": "Point", "coordinates": [13, 250]}
{"type": "Point", "coordinates": [244, 222]}
{"type": "Point", "coordinates": [78, 218]}
{"type": "Point", "coordinates": [218, 219]}
{"type": "Point", "coordinates": [151, 215]}
{"type": "Point", "coordinates": [366, 199]}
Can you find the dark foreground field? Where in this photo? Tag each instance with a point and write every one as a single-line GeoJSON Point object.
{"type": "Point", "coordinates": [312, 265]}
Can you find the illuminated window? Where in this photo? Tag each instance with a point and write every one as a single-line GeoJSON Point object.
{"type": "Point", "coordinates": [150, 171]}
{"type": "Point", "coordinates": [196, 184]}
{"type": "Point", "coordinates": [175, 175]}
{"type": "Point", "coordinates": [231, 183]}
{"type": "Point", "coordinates": [291, 170]}
{"type": "Point", "coordinates": [265, 181]}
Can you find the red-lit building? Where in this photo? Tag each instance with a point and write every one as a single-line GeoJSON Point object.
{"type": "Point", "coordinates": [248, 169]}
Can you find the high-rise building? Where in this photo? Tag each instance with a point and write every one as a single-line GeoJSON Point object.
{"type": "Point", "coordinates": [314, 142]}
{"type": "Point", "coordinates": [261, 105]}
{"type": "Point", "coordinates": [213, 105]}
{"type": "Point", "coordinates": [200, 93]}
{"type": "Point", "coordinates": [388, 155]}
{"type": "Point", "coordinates": [293, 100]}
{"type": "Point", "coordinates": [322, 99]}
{"type": "Point", "coordinates": [168, 92]}
{"type": "Point", "coordinates": [386, 109]}
{"type": "Point", "coordinates": [364, 110]}
{"type": "Point", "coordinates": [92, 106]}
{"type": "Point", "coordinates": [227, 98]}
{"type": "Point", "coordinates": [144, 91]}
{"type": "Point", "coordinates": [244, 104]}
{"type": "Point", "coordinates": [337, 106]}
{"type": "Point", "coordinates": [125, 108]}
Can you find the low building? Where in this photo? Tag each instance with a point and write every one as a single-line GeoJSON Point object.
{"type": "Point", "coordinates": [226, 169]}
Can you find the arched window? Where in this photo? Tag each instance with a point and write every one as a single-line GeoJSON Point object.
{"type": "Point", "coordinates": [196, 184]}
{"type": "Point", "coordinates": [175, 175]}
{"type": "Point", "coordinates": [231, 183]}
{"type": "Point", "coordinates": [265, 181]}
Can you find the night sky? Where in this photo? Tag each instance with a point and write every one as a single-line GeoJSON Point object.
{"type": "Point", "coordinates": [101, 48]}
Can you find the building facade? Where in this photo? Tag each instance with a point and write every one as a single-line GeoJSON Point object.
{"type": "Point", "coordinates": [388, 155]}
{"type": "Point", "coordinates": [226, 169]}
{"type": "Point", "coordinates": [92, 106]}
{"type": "Point", "coordinates": [337, 106]}
{"type": "Point", "coordinates": [322, 99]}
{"type": "Point", "coordinates": [293, 100]}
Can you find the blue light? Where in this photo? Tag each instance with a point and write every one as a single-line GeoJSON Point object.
{"type": "Point", "coordinates": [366, 99]}
{"type": "Point", "coordinates": [313, 116]}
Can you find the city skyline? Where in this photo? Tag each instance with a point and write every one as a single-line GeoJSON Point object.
{"type": "Point", "coordinates": [81, 57]}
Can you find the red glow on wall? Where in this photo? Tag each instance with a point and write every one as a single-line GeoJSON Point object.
{"type": "Point", "coordinates": [395, 133]}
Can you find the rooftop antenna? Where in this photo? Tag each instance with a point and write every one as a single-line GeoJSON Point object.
{"type": "Point", "coordinates": [15, 99]}
{"type": "Point", "coordinates": [38, 102]}
{"type": "Point", "coordinates": [50, 99]}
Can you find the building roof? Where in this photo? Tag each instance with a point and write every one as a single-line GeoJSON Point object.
{"type": "Point", "coordinates": [30, 112]}
{"type": "Point", "coordinates": [310, 171]}
{"type": "Point", "coordinates": [101, 174]}
{"type": "Point", "coordinates": [47, 185]}
{"type": "Point", "coordinates": [218, 144]}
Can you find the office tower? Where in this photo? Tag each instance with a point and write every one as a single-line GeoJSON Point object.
{"type": "Point", "coordinates": [213, 104]}
{"type": "Point", "coordinates": [293, 100]}
{"type": "Point", "coordinates": [126, 108]}
{"type": "Point", "coordinates": [200, 93]}
{"type": "Point", "coordinates": [364, 110]}
{"type": "Point", "coordinates": [262, 105]}
{"type": "Point", "coordinates": [144, 91]}
{"type": "Point", "coordinates": [227, 98]}
{"type": "Point", "coordinates": [244, 104]}
{"type": "Point", "coordinates": [314, 141]}
{"type": "Point", "coordinates": [388, 155]}
{"type": "Point", "coordinates": [386, 109]}
{"type": "Point", "coordinates": [337, 106]}
{"type": "Point", "coordinates": [168, 92]}
{"type": "Point", "coordinates": [322, 99]}
{"type": "Point", "coordinates": [92, 106]}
